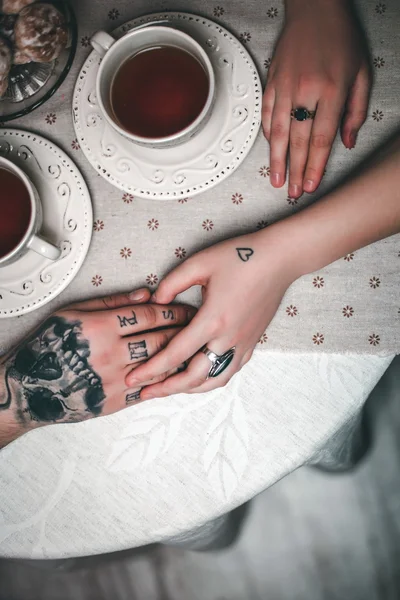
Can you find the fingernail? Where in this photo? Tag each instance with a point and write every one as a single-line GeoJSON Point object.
{"type": "Point", "coordinates": [153, 298]}
{"type": "Point", "coordinates": [353, 139]}
{"type": "Point", "coordinates": [191, 311]}
{"type": "Point", "coordinates": [309, 185]}
{"type": "Point", "coordinates": [183, 367]}
{"type": "Point", "coordinates": [137, 295]}
{"type": "Point", "coordinates": [294, 191]}
{"type": "Point", "coordinates": [276, 179]}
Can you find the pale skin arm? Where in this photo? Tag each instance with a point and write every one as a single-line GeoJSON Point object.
{"type": "Point", "coordinates": [239, 304]}
{"type": "Point", "coordinates": [364, 210]}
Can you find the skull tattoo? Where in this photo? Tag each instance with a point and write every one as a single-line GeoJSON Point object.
{"type": "Point", "coordinates": [50, 379]}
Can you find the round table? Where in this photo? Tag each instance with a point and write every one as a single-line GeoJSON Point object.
{"type": "Point", "coordinates": [153, 472]}
{"type": "Point", "coordinates": [162, 469]}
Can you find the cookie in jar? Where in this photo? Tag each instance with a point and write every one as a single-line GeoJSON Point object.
{"type": "Point", "coordinates": [13, 7]}
{"type": "Point", "coordinates": [40, 34]}
{"type": "Point", "coordinates": [5, 65]}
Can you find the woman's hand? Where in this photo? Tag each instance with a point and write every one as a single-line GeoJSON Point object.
{"type": "Point", "coordinates": [73, 367]}
{"type": "Point", "coordinates": [320, 63]}
{"type": "Point", "coordinates": [243, 280]}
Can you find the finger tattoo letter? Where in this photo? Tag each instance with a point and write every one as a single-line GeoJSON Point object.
{"type": "Point", "coordinates": [125, 321]}
{"type": "Point", "coordinates": [138, 350]}
{"type": "Point", "coordinates": [132, 398]}
{"type": "Point", "coordinates": [168, 315]}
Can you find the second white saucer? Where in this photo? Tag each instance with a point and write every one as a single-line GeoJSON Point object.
{"type": "Point", "coordinates": [33, 280]}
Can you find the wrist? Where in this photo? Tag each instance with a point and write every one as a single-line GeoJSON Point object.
{"type": "Point", "coordinates": [10, 429]}
{"type": "Point", "coordinates": [323, 233]}
{"type": "Point", "coordinates": [299, 8]}
{"type": "Point", "coordinates": [303, 244]}
{"type": "Point", "coordinates": [277, 247]}
{"type": "Point", "coordinates": [307, 249]}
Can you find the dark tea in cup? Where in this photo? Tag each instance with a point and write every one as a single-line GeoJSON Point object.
{"type": "Point", "coordinates": [15, 211]}
{"type": "Point", "coordinates": [159, 92]}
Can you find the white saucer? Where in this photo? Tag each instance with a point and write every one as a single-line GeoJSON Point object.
{"type": "Point", "coordinates": [202, 162]}
{"type": "Point", "coordinates": [67, 222]}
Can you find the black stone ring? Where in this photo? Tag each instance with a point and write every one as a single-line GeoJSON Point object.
{"type": "Point", "coordinates": [220, 362]}
{"type": "Point", "coordinates": [302, 114]}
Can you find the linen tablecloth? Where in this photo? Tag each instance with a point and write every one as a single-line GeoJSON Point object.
{"type": "Point", "coordinates": [154, 471]}
{"type": "Point", "coordinates": [351, 306]}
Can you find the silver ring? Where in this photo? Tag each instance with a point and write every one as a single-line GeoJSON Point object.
{"type": "Point", "coordinates": [220, 362]}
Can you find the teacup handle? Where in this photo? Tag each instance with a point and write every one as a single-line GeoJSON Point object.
{"type": "Point", "coordinates": [40, 246]}
{"type": "Point", "coordinates": [102, 42]}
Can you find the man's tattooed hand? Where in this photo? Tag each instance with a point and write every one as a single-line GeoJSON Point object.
{"type": "Point", "coordinates": [73, 367]}
{"type": "Point", "coordinates": [49, 378]}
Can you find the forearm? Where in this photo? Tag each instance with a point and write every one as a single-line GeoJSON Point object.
{"type": "Point", "coordinates": [9, 428]}
{"type": "Point", "coordinates": [360, 212]}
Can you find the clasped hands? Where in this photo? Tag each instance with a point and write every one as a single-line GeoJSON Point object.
{"type": "Point", "coordinates": [96, 357]}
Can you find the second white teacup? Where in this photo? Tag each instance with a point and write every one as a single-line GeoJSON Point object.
{"type": "Point", "coordinates": [116, 52]}
{"type": "Point", "coordinates": [21, 217]}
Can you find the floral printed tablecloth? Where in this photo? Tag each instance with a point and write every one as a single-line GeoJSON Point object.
{"type": "Point", "coordinates": [159, 469]}
{"type": "Point", "coordinates": [351, 306]}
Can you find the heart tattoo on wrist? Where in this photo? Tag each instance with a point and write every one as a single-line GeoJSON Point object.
{"type": "Point", "coordinates": [245, 253]}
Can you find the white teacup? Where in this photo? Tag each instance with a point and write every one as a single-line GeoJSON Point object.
{"type": "Point", "coordinates": [116, 52]}
{"type": "Point", "coordinates": [31, 240]}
